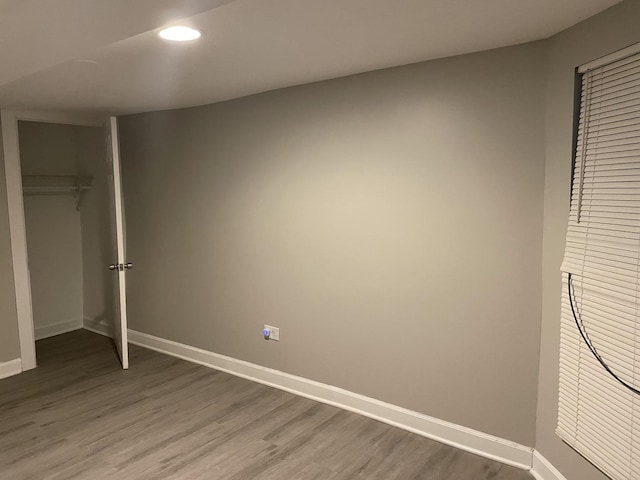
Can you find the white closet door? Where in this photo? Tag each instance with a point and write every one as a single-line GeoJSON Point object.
{"type": "Point", "coordinates": [120, 266]}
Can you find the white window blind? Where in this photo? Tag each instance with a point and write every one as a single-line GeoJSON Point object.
{"type": "Point", "coordinates": [597, 415]}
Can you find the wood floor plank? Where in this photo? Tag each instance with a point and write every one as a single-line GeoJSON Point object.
{"type": "Point", "coordinates": [79, 416]}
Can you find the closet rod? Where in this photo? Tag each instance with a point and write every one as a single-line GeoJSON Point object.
{"type": "Point", "coordinates": [56, 185]}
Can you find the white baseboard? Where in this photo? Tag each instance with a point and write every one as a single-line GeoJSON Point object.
{"type": "Point", "coordinates": [479, 443]}
{"type": "Point", "coordinates": [97, 326]}
{"type": "Point", "coordinates": [542, 469]}
{"type": "Point", "coordinates": [10, 368]}
{"type": "Point", "coordinates": [47, 331]}
{"type": "Point", "coordinates": [457, 436]}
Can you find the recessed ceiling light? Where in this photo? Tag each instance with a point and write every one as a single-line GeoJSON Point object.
{"type": "Point", "coordinates": [179, 33]}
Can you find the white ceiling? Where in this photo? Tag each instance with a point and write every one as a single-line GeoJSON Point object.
{"type": "Point", "coordinates": [104, 55]}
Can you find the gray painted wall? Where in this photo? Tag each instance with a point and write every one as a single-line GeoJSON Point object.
{"type": "Point", "coordinates": [9, 341]}
{"type": "Point", "coordinates": [96, 228]}
{"type": "Point", "coordinates": [613, 29]}
{"type": "Point", "coordinates": [389, 223]}
{"type": "Point", "coordinates": [55, 262]}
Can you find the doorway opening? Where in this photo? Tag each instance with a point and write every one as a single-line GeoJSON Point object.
{"type": "Point", "coordinates": [67, 231]}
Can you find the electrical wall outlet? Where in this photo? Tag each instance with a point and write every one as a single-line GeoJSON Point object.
{"type": "Point", "coordinates": [271, 333]}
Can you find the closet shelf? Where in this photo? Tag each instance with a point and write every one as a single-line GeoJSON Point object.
{"type": "Point", "coordinates": [57, 185]}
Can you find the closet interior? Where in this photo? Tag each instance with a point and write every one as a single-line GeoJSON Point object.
{"type": "Point", "coordinates": [66, 207]}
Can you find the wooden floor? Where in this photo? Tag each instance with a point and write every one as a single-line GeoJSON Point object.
{"type": "Point", "coordinates": [78, 416]}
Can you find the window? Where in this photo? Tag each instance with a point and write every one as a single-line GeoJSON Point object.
{"type": "Point", "coordinates": [599, 413]}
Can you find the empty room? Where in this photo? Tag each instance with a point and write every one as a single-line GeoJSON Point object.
{"type": "Point", "coordinates": [320, 239]}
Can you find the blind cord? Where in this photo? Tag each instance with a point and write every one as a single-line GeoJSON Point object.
{"type": "Point", "coordinates": [590, 345]}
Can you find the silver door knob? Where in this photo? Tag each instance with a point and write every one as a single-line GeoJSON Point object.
{"type": "Point", "coordinates": [128, 266]}
{"type": "Point", "coordinates": [113, 267]}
